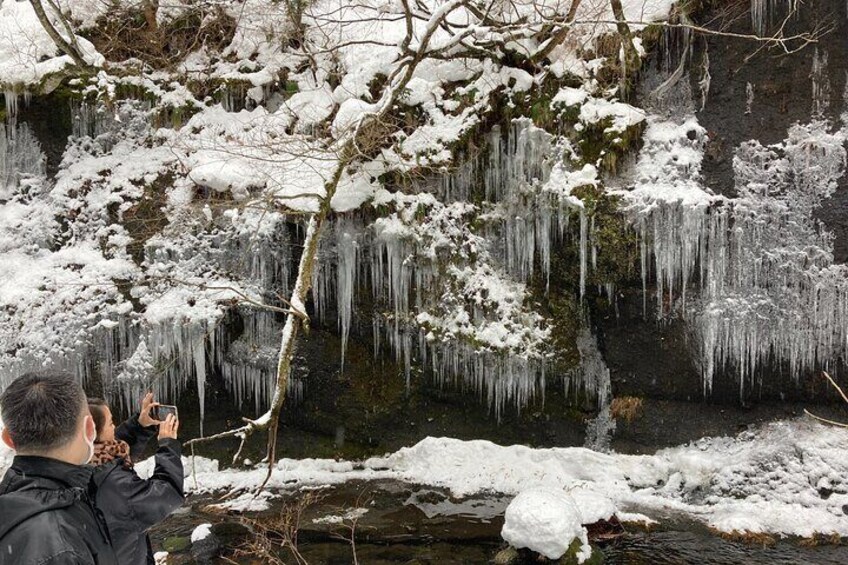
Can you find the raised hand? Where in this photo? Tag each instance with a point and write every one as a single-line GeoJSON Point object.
{"type": "Point", "coordinates": [147, 404]}
{"type": "Point", "coordinates": [168, 429]}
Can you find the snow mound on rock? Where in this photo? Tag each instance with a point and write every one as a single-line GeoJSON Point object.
{"type": "Point", "coordinates": [547, 521]}
{"type": "Point", "coordinates": [593, 505]}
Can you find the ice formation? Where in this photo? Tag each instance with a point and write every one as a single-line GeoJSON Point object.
{"type": "Point", "coordinates": [766, 286]}
{"type": "Point", "coordinates": [22, 161]}
{"type": "Point", "coordinates": [592, 379]}
{"type": "Point", "coordinates": [166, 229]}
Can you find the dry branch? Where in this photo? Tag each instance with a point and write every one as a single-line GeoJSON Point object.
{"type": "Point", "coordinates": [841, 393]}
{"type": "Point", "coordinates": [70, 49]}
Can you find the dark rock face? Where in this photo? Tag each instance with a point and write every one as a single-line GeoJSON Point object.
{"type": "Point", "coordinates": [757, 94]}
{"type": "Point", "coordinates": [782, 89]}
{"type": "Point", "coordinates": [49, 118]}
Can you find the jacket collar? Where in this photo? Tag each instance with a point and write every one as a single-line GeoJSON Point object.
{"type": "Point", "coordinates": [44, 467]}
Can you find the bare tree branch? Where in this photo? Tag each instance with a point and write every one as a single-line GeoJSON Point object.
{"type": "Point", "coordinates": [71, 50]}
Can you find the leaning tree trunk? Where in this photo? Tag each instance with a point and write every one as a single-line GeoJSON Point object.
{"type": "Point", "coordinates": [71, 49]}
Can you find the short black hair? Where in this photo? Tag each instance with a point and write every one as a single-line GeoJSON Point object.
{"type": "Point", "coordinates": [42, 410]}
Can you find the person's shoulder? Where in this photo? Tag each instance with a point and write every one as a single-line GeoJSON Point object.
{"type": "Point", "coordinates": [46, 537]}
{"type": "Point", "coordinates": [107, 471]}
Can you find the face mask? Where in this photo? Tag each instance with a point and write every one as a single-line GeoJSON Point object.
{"type": "Point", "coordinates": [90, 443]}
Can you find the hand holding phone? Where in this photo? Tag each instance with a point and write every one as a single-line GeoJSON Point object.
{"type": "Point", "coordinates": [145, 416]}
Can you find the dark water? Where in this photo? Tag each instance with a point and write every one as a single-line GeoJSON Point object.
{"type": "Point", "coordinates": [666, 548]}
{"type": "Point", "coordinates": [660, 548]}
{"type": "Point", "coordinates": [412, 524]}
{"type": "Point", "coordinates": [687, 547]}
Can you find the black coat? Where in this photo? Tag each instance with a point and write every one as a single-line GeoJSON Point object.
{"type": "Point", "coordinates": [131, 504]}
{"type": "Point", "coordinates": [47, 516]}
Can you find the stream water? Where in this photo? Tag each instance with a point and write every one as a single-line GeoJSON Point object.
{"type": "Point", "coordinates": [396, 529]}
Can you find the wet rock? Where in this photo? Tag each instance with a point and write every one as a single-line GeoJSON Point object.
{"type": "Point", "coordinates": [506, 556]}
{"type": "Point", "coordinates": [176, 544]}
{"type": "Point", "coordinates": [205, 545]}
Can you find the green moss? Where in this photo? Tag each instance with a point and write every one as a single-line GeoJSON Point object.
{"type": "Point", "coordinates": [176, 544]}
{"type": "Point", "coordinates": [617, 245]}
{"type": "Point", "coordinates": [604, 149]}
{"type": "Point", "coordinates": [570, 557]}
{"type": "Point", "coordinates": [566, 316]}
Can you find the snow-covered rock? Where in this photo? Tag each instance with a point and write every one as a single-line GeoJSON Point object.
{"type": "Point", "coordinates": [547, 521]}
{"type": "Point", "coordinates": [201, 532]}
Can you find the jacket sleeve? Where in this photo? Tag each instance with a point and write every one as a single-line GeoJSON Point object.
{"type": "Point", "coordinates": [153, 499]}
{"type": "Point", "coordinates": [69, 557]}
{"type": "Point", "coordinates": [135, 435]}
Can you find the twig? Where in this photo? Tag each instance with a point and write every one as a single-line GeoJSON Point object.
{"type": "Point", "coordinates": [836, 386]}
{"type": "Point", "coordinates": [825, 420]}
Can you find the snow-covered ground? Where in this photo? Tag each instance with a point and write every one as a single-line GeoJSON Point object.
{"type": "Point", "coordinates": [788, 477]}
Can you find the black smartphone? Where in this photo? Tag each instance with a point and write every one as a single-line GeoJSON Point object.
{"type": "Point", "coordinates": [161, 412]}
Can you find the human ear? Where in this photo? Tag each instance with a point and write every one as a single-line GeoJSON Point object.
{"type": "Point", "coordinates": [7, 438]}
{"type": "Point", "coordinates": [90, 429]}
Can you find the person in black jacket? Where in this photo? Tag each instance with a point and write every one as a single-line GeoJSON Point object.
{"type": "Point", "coordinates": [129, 503]}
{"type": "Point", "coordinates": [47, 510]}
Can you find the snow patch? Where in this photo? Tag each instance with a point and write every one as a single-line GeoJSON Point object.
{"type": "Point", "coordinates": [547, 521]}
{"type": "Point", "coordinates": [201, 532]}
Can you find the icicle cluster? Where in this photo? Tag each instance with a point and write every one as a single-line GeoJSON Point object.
{"type": "Point", "coordinates": [249, 366]}
{"type": "Point", "coordinates": [768, 289]}
{"type": "Point", "coordinates": [22, 161]}
{"type": "Point", "coordinates": [450, 297]}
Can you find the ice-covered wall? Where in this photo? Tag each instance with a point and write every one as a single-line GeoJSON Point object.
{"type": "Point", "coordinates": [146, 260]}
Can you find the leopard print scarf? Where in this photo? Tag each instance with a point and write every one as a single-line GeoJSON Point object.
{"type": "Point", "coordinates": [106, 451]}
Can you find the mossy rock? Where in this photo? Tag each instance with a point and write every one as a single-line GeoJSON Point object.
{"type": "Point", "coordinates": [176, 544]}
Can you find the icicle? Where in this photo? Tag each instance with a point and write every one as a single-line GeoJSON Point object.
{"type": "Point", "coordinates": [769, 290]}
{"type": "Point", "coordinates": [760, 16]}
{"type": "Point", "coordinates": [749, 98]}
{"type": "Point", "coordinates": [22, 162]}
{"type": "Point", "coordinates": [820, 84]}
{"type": "Point", "coordinates": [11, 97]}
{"type": "Point", "coordinates": [583, 248]}
{"type": "Point", "coordinates": [347, 249]}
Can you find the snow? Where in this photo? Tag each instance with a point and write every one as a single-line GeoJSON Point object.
{"type": "Point", "coordinates": [350, 515]}
{"type": "Point", "coordinates": [765, 480]}
{"type": "Point", "coordinates": [546, 521]}
{"type": "Point", "coordinates": [160, 557]}
{"type": "Point", "coordinates": [618, 115]}
{"type": "Point", "coordinates": [201, 532]}
{"type": "Point", "coordinates": [593, 506]}
{"type": "Point", "coordinates": [27, 54]}
{"type": "Point", "coordinates": [266, 143]}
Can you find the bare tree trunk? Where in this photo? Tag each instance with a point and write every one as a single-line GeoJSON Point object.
{"type": "Point", "coordinates": [294, 320]}
{"type": "Point", "coordinates": [349, 144]}
{"type": "Point", "coordinates": [631, 61]}
{"type": "Point", "coordinates": [559, 36]}
{"type": "Point", "coordinates": [70, 49]}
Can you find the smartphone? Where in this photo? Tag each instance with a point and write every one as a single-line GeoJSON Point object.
{"type": "Point", "coordinates": [161, 412]}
